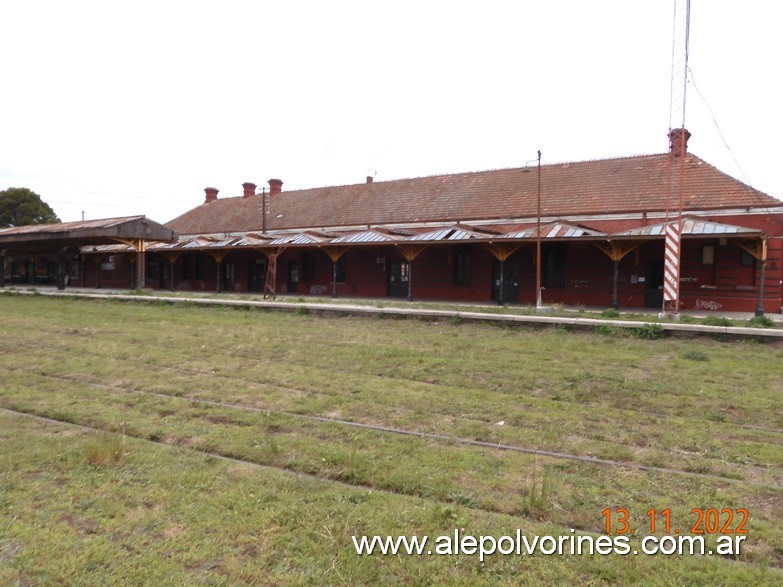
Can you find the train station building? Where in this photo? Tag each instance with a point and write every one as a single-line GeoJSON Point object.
{"type": "Point", "coordinates": [582, 233]}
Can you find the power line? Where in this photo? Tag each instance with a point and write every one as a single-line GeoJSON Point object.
{"type": "Point", "coordinates": [717, 127]}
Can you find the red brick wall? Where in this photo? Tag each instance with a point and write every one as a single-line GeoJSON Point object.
{"type": "Point", "coordinates": [726, 285]}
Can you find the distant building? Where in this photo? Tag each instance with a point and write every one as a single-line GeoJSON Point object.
{"type": "Point", "coordinates": [472, 236]}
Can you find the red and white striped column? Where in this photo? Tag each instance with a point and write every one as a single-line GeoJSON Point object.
{"type": "Point", "coordinates": [671, 269]}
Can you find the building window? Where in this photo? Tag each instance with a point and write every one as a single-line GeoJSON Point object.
{"type": "Point", "coordinates": [746, 259]}
{"type": "Point", "coordinates": [462, 267]}
{"type": "Point", "coordinates": [341, 269]}
{"type": "Point", "coordinates": [554, 265]}
{"type": "Point", "coordinates": [308, 266]}
{"type": "Point", "coordinates": [708, 255]}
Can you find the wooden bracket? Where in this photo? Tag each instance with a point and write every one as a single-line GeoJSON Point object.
{"type": "Point", "coordinates": [334, 253]}
{"type": "Point", "coordinates": [502, 251]}
{"type": "Point", "coordinates": [755, 247]}
{"type": "Point", "coordinates": [616, 250]}
{"type": "Point", "coordinates": [410, 252]}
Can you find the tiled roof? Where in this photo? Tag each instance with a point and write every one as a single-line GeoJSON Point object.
{"type": "Point", "coordinates": [624, 185]}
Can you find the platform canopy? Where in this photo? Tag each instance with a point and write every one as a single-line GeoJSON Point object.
{"type": "Point", "coordinates": [85, 233]}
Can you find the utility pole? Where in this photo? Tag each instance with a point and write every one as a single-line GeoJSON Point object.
{"type": "Point", "coordinates": [678, 139]}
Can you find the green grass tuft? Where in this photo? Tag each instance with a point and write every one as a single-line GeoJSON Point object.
{"type": "Point", "coordinates": [650, 332]}
{"type": "Point", "coordinates": [106, 449]}
{"type": "Point", "coordinates": [716, 321]}
{"type": "Point", "coordinates": [761, 322]}
{"type": "Point", "coordinates": [694, 354]}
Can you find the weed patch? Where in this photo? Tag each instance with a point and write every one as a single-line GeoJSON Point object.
{"type": "Point", "coordinates": [605, 330]}
{"type": "Point", "coordinates": [716, 321]}
{"type": "Point", "coordinates": [650, 332]}
{"type": "Point", "coordinates": [761, 322]}
{"type": "Point", "coordinates": [106, 449]}
{"type": "Point", "coordinates": [694, 354]}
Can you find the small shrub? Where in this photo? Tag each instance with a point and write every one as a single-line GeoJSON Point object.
{"type": "Point", "coordinates": [301, 311]}
{"type": "Point", "coordinates": [610, 313]}
{"type": "Point", "coordinates": [650, 332]}
{"type": "Point", "coordinates": [456, 320]}
{"type": "Point", "coordinates": [761, 322]}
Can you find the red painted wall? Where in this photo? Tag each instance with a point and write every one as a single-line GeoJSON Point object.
{"type": "Point", "coordinates": [725, 285]}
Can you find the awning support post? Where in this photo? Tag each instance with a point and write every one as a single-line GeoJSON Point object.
{"type": "Point", "coordinates": [501, 297]}
{"type": "Point", "coordinates": [61, 269]}
{"type": "Point", "coordinates": [410, 280]}
{"type": "Point", "coordinates": [762, 263]}
{"type": "Point", "coordinates": [615, 281]}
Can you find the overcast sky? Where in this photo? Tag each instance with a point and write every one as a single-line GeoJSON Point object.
{"type": "Point", "coordinates": [121, 108]}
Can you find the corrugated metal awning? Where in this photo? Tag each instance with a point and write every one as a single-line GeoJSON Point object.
{"type": "Point", "coordinates": [366, 236]}
{"type": "Point", "coordinates": [554, 230]}
{"type": "Point", "coordinates": [296, 239]}
{"type": "Point", "coordinates": [448, 233]}
{"type": "Point", "coordinates": [692, 227]}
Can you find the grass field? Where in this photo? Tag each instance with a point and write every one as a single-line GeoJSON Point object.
{"type": "Point", "coordinates": [130, 484]}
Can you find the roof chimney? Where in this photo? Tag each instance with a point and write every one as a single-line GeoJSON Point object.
{"type": "Point", "coordinates": [369, 179]}
{"type": "Point", "coordinates": [211, 195]}
{"type": "Point", "coordinates": [678, 141]}
{"type": "Point", "coordinates": [249, 189]}
{"type": "Point", "coordinates": [275, 187]}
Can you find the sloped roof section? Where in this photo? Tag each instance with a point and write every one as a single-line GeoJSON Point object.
{"type": "Point", "coordinates": [366, 236]}
{"type": "Point", "coordinates": [692, 227]}
{"type": "Point", "coordinates": [297, 239]}
{"type": "Point", "coordinates": [87, 232]}
{"type": "Point", "coordinates": [624, 185]}
{"type": "Point", "coordinates": [554, 230]}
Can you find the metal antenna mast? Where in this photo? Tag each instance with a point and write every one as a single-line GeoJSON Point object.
{"type": "Point", "coordinates": [678, 139]}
